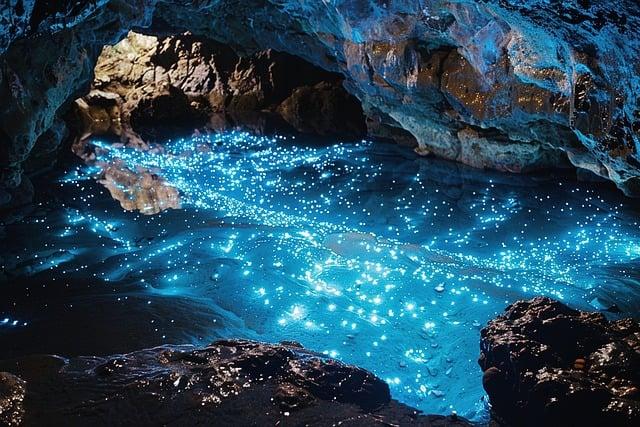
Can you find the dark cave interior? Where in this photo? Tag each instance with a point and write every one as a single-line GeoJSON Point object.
{"type": "Point", "coordinates": [398, 212]}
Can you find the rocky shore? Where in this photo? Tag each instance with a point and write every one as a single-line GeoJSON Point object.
{"type": "Point", "coordinates": [547, 364]}
{"type": "Point", "coordinates": [544, 364]}
{"type": "Point", "coordinates": [228, 383]}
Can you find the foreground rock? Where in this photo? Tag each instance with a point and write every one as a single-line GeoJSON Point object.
{"type": "Point", "coordinates": [546, 364]}
{"type": "Point", "coordinates": [227, 383]}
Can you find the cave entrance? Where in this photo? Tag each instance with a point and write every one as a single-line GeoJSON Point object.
{"type": "Point", "coordinates": [146, 87]}
{"type": "Point", "coordinates": [148, 90]}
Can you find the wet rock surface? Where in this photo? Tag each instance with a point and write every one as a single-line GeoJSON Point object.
{"type": "Point", "coordinates": [142, 191]}
{"type": "Point", "coordinates": [547, 364]}
{"type": "Point", "coordinates": [12, 393]}
{"type": "Point", "coordinates": [228, 383]}
{"type": "Point", "coordinates": [146, 83]}
{"type": "Point", "coordinates": [505, 84]}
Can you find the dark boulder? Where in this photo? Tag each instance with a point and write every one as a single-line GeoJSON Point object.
{"type": "Point", "coordinates": [547, 364]}
{"type": "Point", "coordinates": [227, 383]}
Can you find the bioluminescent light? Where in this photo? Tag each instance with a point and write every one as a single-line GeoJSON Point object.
{"type": "Point", "coordinates": [356, 250]}
{"type": "Point", "coordinates": [11, 323]}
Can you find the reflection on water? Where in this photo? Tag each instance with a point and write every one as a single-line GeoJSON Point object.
{"type": "Point", "coordinates": [138, 189]}
{"type": "Point", "coordinates": [359, 250]}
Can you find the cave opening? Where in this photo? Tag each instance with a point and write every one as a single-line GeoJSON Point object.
{"type": "Point", "coordinates": [192, 193]}
{"type": "Point", "coordinates": [147, 84]}
{"type": "Point", "coordinates": [148, 89]}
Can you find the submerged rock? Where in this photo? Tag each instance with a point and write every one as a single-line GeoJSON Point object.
{"type": "Point", "coordinates": [547, 364]}
{"type": "Point", "coordinates": [141, 190]}
{"type": "Point", "coordinates": [227, 383]}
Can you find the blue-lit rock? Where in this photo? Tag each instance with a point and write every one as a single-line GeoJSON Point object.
{"type": "Point", "coordinates": [511, 85]}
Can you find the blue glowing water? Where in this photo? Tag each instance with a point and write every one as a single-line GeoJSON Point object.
{"type": "Point", "coordinates": [362, 251]}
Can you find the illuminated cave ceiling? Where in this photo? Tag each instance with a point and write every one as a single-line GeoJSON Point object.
{"type": "Point", "coordinates": [506, 84]}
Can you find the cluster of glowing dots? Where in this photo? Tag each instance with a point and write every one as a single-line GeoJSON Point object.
{"type": "Point", "coordinates": [7, 322]}
{"type": "Point", "coordinates": [352, 250]}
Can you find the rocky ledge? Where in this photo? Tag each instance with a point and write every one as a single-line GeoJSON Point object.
{"type": "Point", "coordinates": [144, 83]}
{"type": "Point", "coordinates": [547, 364]}
{"type": "Point", "coordinates": [512, 85]}
{"type": "Point", "coordinates": [229, 382]}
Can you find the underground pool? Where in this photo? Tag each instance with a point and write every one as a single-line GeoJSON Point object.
{"type": "Point", "coordinates": [360, 250]}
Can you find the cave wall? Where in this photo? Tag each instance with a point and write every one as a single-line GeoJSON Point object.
{"type": "Point", "coordinates": [146, 88]}
{"type": "Point", "coordinates": [505, 84]}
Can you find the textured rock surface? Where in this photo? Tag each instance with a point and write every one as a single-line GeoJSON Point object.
{"type": "Point", "coordinates": [12, 393]}
{"type": "Point", "coordinates": [227, 383]}
{"type": "Point", "coordinates": [546, 364]}
{"type": "Point", "coordinates": [507, 84]}
{"type": "Point", "coordinates": [141, 191]}
{"type": "Point", "coordinates": [145, 82]}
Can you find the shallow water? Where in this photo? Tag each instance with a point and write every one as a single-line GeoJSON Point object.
{"type": "Point", "coordinates": [359, 250]}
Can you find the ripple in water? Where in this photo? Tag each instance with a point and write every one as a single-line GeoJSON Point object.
{"type": "Point", "coordinates": [359, 250]}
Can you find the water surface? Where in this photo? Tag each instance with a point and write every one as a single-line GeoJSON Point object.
{"type": "Point", "coordinates": [359, 250]}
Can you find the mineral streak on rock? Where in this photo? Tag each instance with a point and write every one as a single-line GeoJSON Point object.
{"type": "Point", "coordinates": [505, 84]}
{"type": "Point", "coordinates": [547, 364]}
{"type": "Point", "coordinates": [227, 383]}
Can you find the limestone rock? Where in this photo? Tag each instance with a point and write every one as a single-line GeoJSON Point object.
{"type": "Point", "coordinates": [147, 82]}
{"type": "Point", "coordinates": [552, 76]}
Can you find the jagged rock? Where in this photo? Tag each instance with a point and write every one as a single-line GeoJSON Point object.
{"type": "Point", "coordinates": [547, 364]}
{"type": "Point", "coordinates": [227, 383]}
{"type": "Point", "coordinates": [145, 82]}
{"type": "Point", "coordinates": [140, 190]}
{"type": "Point", "coordinates": [558, 77]}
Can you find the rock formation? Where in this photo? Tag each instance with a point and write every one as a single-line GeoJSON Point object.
{"type": "Point", "coordinates": [139, 191]}
{"type": "Point", "coordinates": [547, 364]}
{"type": "Point", "coordinates": [146, 83]}
{"type": "Point", "coordinates": [511, 85]}
{"type": "Point", "coordinates": [226, 383]}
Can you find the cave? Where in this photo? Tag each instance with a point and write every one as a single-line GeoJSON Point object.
{"type": "Point", "coordinates": [336, 212]}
